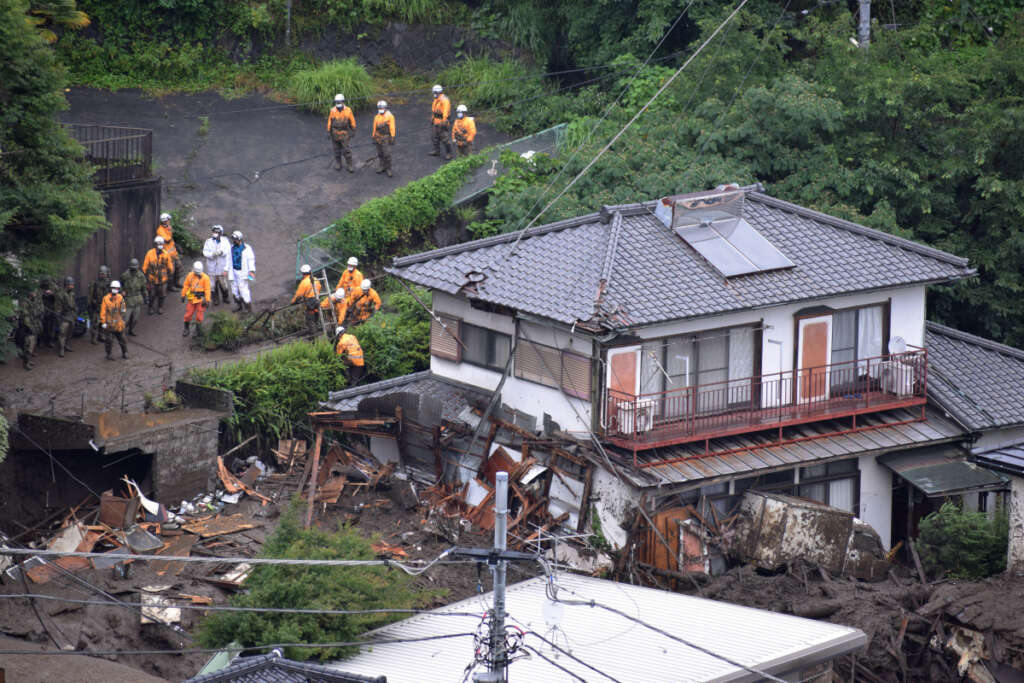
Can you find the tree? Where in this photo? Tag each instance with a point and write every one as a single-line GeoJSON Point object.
{"type": "Point", "coordinates": [963, 544]}
{"type": "Point", "coordinates": [61, 13]}
{"type": "Point", "coordinates": [48, 207]}
{"type": "Point", "coordinates": [305, 587]}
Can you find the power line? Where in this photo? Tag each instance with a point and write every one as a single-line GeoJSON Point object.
{"type": "Point", "coordinates": [571, 656]}
{"type": "Point", "coordinates": [549, 661]}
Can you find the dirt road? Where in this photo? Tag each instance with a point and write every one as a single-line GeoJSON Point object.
{"type": "Point", "coordinates": [253, 165]}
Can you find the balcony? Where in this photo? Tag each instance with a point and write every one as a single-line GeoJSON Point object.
{"type": "Point", "coordinates": [767, 402]}
{"type": "Point", "coordinates": [120, 155]}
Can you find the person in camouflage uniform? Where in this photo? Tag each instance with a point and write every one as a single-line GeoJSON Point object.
{"type": "Point", "coordinates": [97, 290]}
{"type": "Point", "coordinates": [66, 311]}
{"type": "Point", "coordinates": [135, 294]}
{"type": "Point", "coordinates": [47, 288]}
{"type": "Point", "coordinates": [30, 324]}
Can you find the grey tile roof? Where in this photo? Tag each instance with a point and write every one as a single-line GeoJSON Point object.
{"type": "Point", "coordinates": [1009, 459]}
{"type": "Point", "coordinates": [886, 436]}
{"type": "Point", "coordinates": [980, 382]}
{"type": "Point", "coordinates": [453, 395]}
{"type": "Point", "coordinates": [650, 275]}
{"type": "Point", "coordinates": [272, 668]}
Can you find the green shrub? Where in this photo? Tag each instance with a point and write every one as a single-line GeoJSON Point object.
{"type": "Point", "coordinates": [349, 588]}
{"type": "Point", "coordinates": [382, 226]}
{"type": "Point", "coordinates": [224, 331]}
{"type": "Point", "coordinates": [186, 241]}
{"type": "Point", "coordinates": [274, 391]}
{"type": "Point", "coordinates": [3, 437]}
{"type": "Point", "coordinates": [964, 544]}
{"type": "Point", "coordinates": [315, 88]}
{"type": "Point", "coordinates": [396, 341]}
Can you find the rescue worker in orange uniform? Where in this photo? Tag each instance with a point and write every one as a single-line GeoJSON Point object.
{"type": "Point", "coordinates": [383, 134]}
{"type": "Point", "coordinates": [167, 232]}
{"type": "Point", "coordinates": [339, 301]}
{"type": "Point", "coordinates": [349, 347]}
{"type": "Point", "coordinates": [363, 303]}
{"type": "Point", "coordinates": [341, 125]}
{"type": "Point", "coordinates": [158, 268]}
{"type": "Point", "coordinates": [440, 110]}
{"type": "Point", "coordinates": [112, 315]}
{"type": "Point", "coordinates": [308, 292]}
{"type": "Point", "coordinates": [196, 295]}
{"type": "Point", "coordinates": [464, 131]}
{"type": "Point", "coordinates": [351, 278]}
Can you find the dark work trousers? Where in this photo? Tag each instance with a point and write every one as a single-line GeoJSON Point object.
{"type": "Point", "coordinates": [108, 342]}
{"type": "Point", "coordinates": [384, 152]}
{"type": "Point", "coordinates": [441, 136]}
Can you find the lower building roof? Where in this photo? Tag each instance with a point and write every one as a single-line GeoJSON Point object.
{"type": "Point", "coordinates": [453, 396]}
{"type": "Point", "coordinates": [1009, 459]}
{"type": "Point", "coordinates": [273, 668]}
{"type": "Point", "coordinates": [593, 638]}
{"type": "Point", "coordinates": [941, 471]}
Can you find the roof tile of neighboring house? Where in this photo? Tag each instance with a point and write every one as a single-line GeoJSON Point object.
{"type": "Point", "coordinates": [651, 275]}
{"type": "Point", "coordinates": [980, 382]}
{"type": "Point", "coordinates": [272, 668]}
{"type": "Point", "coordinates": [454, 396]}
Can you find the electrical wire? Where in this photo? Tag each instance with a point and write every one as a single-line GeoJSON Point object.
{"type": "Point", "coordinates": [571, 656]}
{"type": "Point", "coordinates": [549, 661]}
{"type": "Point", "coordinates": [53, 459]}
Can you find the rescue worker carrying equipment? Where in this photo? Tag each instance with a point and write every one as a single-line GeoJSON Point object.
{"type": "Point", "coordinates": [363, 304]}
{"type": "Point", "coordinates": [464, 131]}
{"type": "Point", "coordinates": [30, 324]}
{"type": "Point", "coordinates": [351, 278]}
{"type": "Point", "coordinates": [97, 290]}
{"type": "Point", "coordinates": [440, 110]}
{"type": "Point", "coordinates": [66, 311]}
{"type": "Point", "coordinates": [349, 347]}
{"type": "Point", "coordinates": [158, 268]}
{"type": "Point", "coordinates": [339, 300]}
{"type": "Point", "coordinates": [341, 125]}
{"type": "Point", "coordinates": [242, 271]}
{"type": "Point", "coordinates": [216, 251]}
{"type": "Point", "coordinates": [112, 314]}
{"type": "Point", "coordinates": [165, 230]}
{"type": "Point", "coordinates": [196, 295]}
{"type": "Point", "coordinates": [308, 292]}
{"type": "Point", "coordinates": [383, 134]}
{"type": "Point", "coordinates": [133, 284]}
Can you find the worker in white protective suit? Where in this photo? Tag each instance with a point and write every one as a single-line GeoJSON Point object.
{"type": "Point", "coordinates": [242, 271]}
{"type": "Point", "coordinates": [217, 253]}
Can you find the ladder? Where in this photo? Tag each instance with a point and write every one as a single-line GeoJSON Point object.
{"type": "Point", "coordinates": [327, 316]}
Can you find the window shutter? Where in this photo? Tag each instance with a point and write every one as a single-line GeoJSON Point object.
{"type": "Point", "coordinates": [537, 363]}
{"type": "Point", "coordinates": [576, 375]}
{"type": "Point", "coordinates": [442, 343]}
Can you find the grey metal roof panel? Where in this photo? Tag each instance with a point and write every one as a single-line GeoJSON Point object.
{"type": "Point", "coordinates": [652, 275]}
{"type": "Point", "coordinates": [272, 668]}
{"type": "Point", "coordinates": [452, 395]}
{"type": "Point", "coordinates": [939, 471]}
{"type": "Point", "coordinates": [1009, 459]}
{"type": "Point", "coordinates": [979, 381]}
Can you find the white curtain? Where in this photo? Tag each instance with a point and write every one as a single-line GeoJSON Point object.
{"type": "Point", "coordinates": [741, 363]}
{"type": "Point", "coordinates": [840, 494]}
{"type": "Point", "coordinates": [869, 337]}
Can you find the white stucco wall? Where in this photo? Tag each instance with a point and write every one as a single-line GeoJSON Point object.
{"type": "Point", "coordinates": [876, 497]}
{"type": "Point", "coordinates": [1015, 551]}
{"type": "Point", "coordinates": [615, 503]}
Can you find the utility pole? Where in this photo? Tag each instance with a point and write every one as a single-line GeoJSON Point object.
{"type": "Point", "coordinates": [864, 26]}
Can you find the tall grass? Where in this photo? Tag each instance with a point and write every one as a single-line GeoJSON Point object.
{"type": "Point", "coordinates": [315, 88]}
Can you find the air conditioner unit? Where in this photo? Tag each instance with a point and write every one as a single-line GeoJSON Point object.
{"type": "Point", "coordinates": [897, 378]}
{"type": "Point", "coordinates": [638, 415]}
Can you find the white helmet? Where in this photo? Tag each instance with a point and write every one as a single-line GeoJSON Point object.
{"type": "Point", "coordinates": [218, 229]}
{"type": "Point", "coordinates": [366, 284]}
{"type": "Point", "coordinates": [437, 90]}
{"type": "Point", "coordinates": [338, 330]}
{"type": "Point", "coordinates": [461, 109]}
{"type": "Point", "coordinates": [339, 98]}
{"type": "Point", "coordinates": [353, 261]}
{"type": "Point", "coordinates": [164, 217]}
{"type": "Point", "coordinates": [339, 294]}
{"type": "Point", "coordinates": [158, 241]}
{"type": "Point", "coordinates": [197, 267]}
{"type": "Point", "coordinates": [305, 268]}
{"type": "Point", "coordinates": [116, 284]}
{"type": "Point", "coordinates": [236, 235]}
{"type": "Point", "coordinates": [381, 104]}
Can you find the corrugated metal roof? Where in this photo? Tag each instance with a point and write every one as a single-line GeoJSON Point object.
{"type": "Point", "coordinates": [941, 471]}
{"type": "Point", "coordinates": [979, 381]}
{"type": "Point", "coordinates": [650, 275]}
{"type": "Point", "coordinates": [885, 437]}
{"type": "Point", "coordinates": [623, 649]}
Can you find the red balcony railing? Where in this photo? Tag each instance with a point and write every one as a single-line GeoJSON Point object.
{"type": "Point", "coordinates": [752, 404]}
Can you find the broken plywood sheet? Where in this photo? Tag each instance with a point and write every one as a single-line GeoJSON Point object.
{"type": "Point", "coordinates": [232, 579]}
{"type": "Point", "coordinates": [67, 539]}
{"type": "Point", "coordinates": [499, 461]}
{"type": "Point", "coordinates": [47, 570]}
{"type": "Point", "coordinates": [566, 496]}
{"type": "Point", "coordinates": [178, 546]}
{"type": "Point", "coordinates": [220, 525]}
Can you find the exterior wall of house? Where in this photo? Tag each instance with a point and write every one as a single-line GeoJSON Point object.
{"type": "Point", "coordinates": [876, 497]}
{"type": "Point", "coordinates": [1015, 551]}
{"type": "Point", "coordinates": [998, 438]}
{"type": "Point", "coordinates": [615, 503]}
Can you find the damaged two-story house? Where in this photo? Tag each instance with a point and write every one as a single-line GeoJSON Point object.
{"type": "Point", "coordinates": [696, 346]}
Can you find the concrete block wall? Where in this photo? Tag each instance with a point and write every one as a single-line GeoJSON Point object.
{"type": "Point", "coordinates": [1015, 551]}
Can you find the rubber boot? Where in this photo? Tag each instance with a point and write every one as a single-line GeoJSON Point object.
{"type": "Point", "coordinates": [26, 362]}
{"type": "Point", "coordinates": [185, 331]}
{"type": "Point", "coordinates": [337, 163]}
{"type": "Point", "coordinates": [109, 357]}
{"type": "Point", "coordinates": [348, 164]}
{"type": "Point", "coordinates": [93, 331]}
{"type": "Point", "coordinates": [216, 296]}
{"type": "Point", "coordinates": [60, 351]}
{"type": "Point", "coordinates": [67, 347]}
{"type": "Point", "coordinates": [390, 175]}
{"type": "Point", "coordinates": [239, 306]}
{"type": "Point", "coordinates": [124, 354]}
{"type": "Point", "coordinates": [195, 330]}
{"type": "Point", "coordinates": [248, 307]}
{"type": "Point", "coordinates": [149, 310]}
{"type": "Point", "coordinates": [160, 307]}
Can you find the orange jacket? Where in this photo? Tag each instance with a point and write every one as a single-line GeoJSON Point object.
{"type": "Point", "coordinates": [196, 287]}
{"type": "Point", "coordinates": [168, 235]}
{"type": "Point", "coordinates": [112, 312]}
{"type": "Point", "coordinates": [464, 130]}
{"type": "Point", "coordinates": [309, 288]}
{"type": "Point", "coordinates": [383, 124]}
{"type": "Point", "coordinates": [440, 109]}
{"type": "Point", "coordinates": [340, 118]}
{"type": "Point", "coordinates": [157, 267]}
{"type": "Point", "coordinates": [348, 344]}
{"type": "Point", "coordinates": [340, 308]}
{"type": "Point", "coordinates": [363, 305]}
{"type": "Point", "coordinates": [349, 280]}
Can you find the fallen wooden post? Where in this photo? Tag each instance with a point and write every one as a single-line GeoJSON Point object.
{"type": "Point", "coordinates": [313, 476]}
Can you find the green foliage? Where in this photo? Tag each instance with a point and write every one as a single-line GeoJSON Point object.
{"type": "Point", "coordinates": [400, 220]}
{"type": "Point", "coordinates": [315, 88]}
{"type": "Point", "coordinates": [45, 15]}
{"type": "Point", "coordinates": [4, 431]}
{"type": "Point", "coordinates": [185, 241]}
{"type": "Point", "coordinates": [48, 207]}
{"type": "Point", "coordinates": [225, 331]}
{"type": "Point", "coordinates": [325, 588]}
{"type": "Point", "coordinates": [964, 544]}
{"type": "Point", "coordinates": [396, 341]}
{"type": "Point", "coordinates": [274, 391]}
